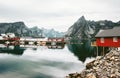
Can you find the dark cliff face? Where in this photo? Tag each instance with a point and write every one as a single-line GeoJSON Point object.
{"type": "Point", "coordinates": [84, 29]}
{"type": "Point", "coordinates": [19, 28]}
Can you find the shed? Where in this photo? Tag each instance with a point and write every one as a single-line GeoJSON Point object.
{"type": "Point", "coordinates": [108, 38]}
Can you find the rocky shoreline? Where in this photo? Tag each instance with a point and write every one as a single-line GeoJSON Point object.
{"type": "Point", "coordinates": [107, 66]}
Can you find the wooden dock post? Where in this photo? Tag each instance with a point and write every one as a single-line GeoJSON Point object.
{"type": "Point", "coordinates": [103, 51]}
{"type": "Point", "coordinates": [97, 50]}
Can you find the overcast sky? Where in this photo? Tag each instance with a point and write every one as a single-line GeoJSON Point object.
{"type": "Point", "coordinates": [57, 14]}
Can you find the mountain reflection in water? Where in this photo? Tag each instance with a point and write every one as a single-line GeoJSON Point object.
{"type": "Point", "coordinates": [84, 50]}
{"type": "Point", "coordinates": [37, 63]}
{"type": "Point", "coordinates": [15, 50]}
{"type": "Point", "coordinates": [41, 62]}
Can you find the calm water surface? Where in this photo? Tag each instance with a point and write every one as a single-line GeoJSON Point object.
{"type": "Point", "coordinates": [39, 63]}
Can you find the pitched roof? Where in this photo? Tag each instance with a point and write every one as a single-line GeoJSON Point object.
{"type": "Point", "coordinates": [115, 32]}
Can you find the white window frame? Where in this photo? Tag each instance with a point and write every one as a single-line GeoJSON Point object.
{"type": "Point", "coordinates": [115, 39]}
{"type": "Point", "coordinates": [102, 40]}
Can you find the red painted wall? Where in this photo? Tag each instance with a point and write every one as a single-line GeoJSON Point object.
{"type": "Point", "coordinates": [108, 42]}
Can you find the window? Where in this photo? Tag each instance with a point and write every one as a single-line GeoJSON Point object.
{"type": "Point", "coordinates": [102, 40]}
{"type": "Point", "coordinates": [115, 39]}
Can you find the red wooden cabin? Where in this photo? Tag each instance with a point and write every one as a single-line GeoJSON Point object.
{"type": "Point", "coordinates": [109, 37]}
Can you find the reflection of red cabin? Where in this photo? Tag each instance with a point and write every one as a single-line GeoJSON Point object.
{"type": "Point", "coordinates": [109, 38]}
{"type": "Point", "coordinates": [56, 39]}
{"type": "Point", "coordinates": [14, 39]}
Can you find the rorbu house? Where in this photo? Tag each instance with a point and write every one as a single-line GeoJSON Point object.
{"type": "Point", "coordinates": [56, 43]}
{"type": "Point", "coordinates": [108, 38]}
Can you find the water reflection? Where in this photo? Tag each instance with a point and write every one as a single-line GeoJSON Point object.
{"type": "Point", "coordinates": [15, 50]}
{"type": "Point", "coordinates": [19, 49]}
{"type": "Point", "coordinates": [81, 49]}
{"type": "Point", "coordinates": [39, 63]}
{"type": "Point", "coordinates": [84, 50]}
{"type": "Point", "coordinates": [42, 62]}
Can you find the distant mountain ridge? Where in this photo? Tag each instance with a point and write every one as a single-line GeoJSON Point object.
{"type": "Point", "coordinates": [85, 29]}
{"type": "Point", "coordinates": [21, 30]}
{"type": "Point", "coordinates": [46, 32]}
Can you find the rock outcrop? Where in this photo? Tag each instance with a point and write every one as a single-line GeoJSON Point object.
{"type": "Point", "coordinates": [107, 66]}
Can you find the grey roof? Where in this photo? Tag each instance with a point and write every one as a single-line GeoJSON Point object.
{"type": "Point", "coordinates": [115, 32]}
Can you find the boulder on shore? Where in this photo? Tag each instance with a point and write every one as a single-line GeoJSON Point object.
{"type": "Point", "coordinates": [107, 66]}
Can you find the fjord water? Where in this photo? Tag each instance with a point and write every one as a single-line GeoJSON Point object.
{"type": "Point", "coordinates": [39, 62]}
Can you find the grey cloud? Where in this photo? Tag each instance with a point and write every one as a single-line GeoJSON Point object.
{"type": "Point", "coordinates": [50, 12]}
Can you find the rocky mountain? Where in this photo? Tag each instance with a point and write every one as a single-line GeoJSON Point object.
{"type": "Point", "coordinates": [36, 32]}
{"type": "Point", "coordinates": [46, 32]}
{"type": "Point", "coordinates": [85, 29]}
{"type": "Point", "coordinates": [52, 33]}
{"type": "Point", "coordinates": [21, 30]}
